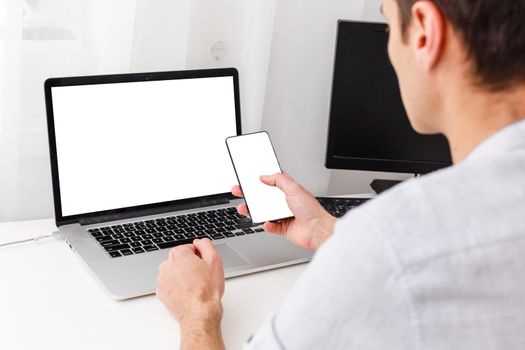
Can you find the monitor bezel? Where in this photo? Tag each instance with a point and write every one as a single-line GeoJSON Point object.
{"type": "Point", "coordinates": [333, 161]}
{"type": "Point", "coordinates": [142, 210]}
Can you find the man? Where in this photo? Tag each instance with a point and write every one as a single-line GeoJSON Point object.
{"type": "Point", "coordinates": [437, 262]}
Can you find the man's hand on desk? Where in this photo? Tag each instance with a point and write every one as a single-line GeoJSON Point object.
{"type": "Point", "coordinates": [312, 224]}
{"type": "Point", "coordinates": [191, 285]}
{"type": "Point", "coordinates": [191, 281]}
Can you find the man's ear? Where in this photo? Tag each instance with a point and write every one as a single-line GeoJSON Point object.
{"type": "Point", "coordinates": [427, 34]}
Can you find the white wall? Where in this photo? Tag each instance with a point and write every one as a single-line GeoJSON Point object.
{"type": "Point", "coordinates": [160, 36]}
{"type": "Point", "coordinates": [299, 83]}
{"type": "Point", "coordinates": [235, 33]}
{"type": "Point", "coordinates": [372, 11]}
{"type": "Point", "coordinates": [299, 87]}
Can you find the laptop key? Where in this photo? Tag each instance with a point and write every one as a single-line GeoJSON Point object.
{"type": "Point", "coordinates": [114, 248]}
{"type": "Point", "coordinates": [110, 243]}
{"type": "Point", "coordinates": [240, 233]}
{"type": "Point", "coordinates": [158, 240]}
{"type": "Point", "coordinates": [167, 245]}
{"type": "Point", "coordinates": [150, 248]}
{"type": "Point", "coordinates": [217, 236]}
{"type": "Point", "coordinates": [259, 230]}
{"type": "Point", "coordinates": [105, 238]}
{"type": "Point", "coordinates": [115, 254]}
{"type": "Point", "coordinates": [135, 244]}
{"type": "Point", "coordinates": [126, 252]}
{"type": "Point", "coordinates": [244, 223]}
{"type": "Point", "coordinates": [138, 250]}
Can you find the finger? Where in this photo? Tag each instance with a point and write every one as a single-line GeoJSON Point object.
{"type": "Point", "coordinates": [236, 191]}
{"type": "Point", "coordinates": [182, 250]}
{"type": "Point", "coordinates": [206, 250]}
{"type": "Point", "coordinates": [243, 210]}
{"type": "Point", "coordinates": [211, 256]}
{"type": "Point", "coordinates": [281, 181]}
{"type": "Point", "coordinates": [273, 227]}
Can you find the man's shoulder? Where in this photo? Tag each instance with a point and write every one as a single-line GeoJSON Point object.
{"type": "Point", "coordinates": [414, 201]}
{"type": "Point", "coordinates": [430, 216]}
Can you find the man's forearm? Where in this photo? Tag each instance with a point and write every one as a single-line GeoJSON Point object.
{"type": "Point", "coordinates": [202, 329]}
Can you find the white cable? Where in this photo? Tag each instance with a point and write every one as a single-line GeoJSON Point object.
{"type": "Point", "coordinates": [55, 234]}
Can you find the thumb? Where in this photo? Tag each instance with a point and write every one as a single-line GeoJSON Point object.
{"type": "Point", "coordinates": [281, 181]}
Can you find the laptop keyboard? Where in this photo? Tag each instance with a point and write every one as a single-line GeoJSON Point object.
{"type": "Point", "coordinates": [163, 233]}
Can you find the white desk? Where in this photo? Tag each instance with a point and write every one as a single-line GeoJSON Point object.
{"type": "Point", "coordinates": [50, 300]}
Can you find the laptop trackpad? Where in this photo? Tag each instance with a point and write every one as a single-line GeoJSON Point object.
{"type": "Point", "coordinates": [230, 258]}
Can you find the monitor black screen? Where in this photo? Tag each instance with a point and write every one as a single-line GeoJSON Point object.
{"type": "Point", "coordinates": [369, 128]}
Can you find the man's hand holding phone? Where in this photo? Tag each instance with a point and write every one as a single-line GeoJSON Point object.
{"type": "Point", "coordinates": [311, 224]}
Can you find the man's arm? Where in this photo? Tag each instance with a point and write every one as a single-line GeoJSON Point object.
{"type": "Point", "coordinates": [202, 328]}
{"type": "Point", "coordinates": [351, 296]}
{"type": "Point", "coordinates": [191, 285]}
{"type": "Point", "coordinates": [191, 281]}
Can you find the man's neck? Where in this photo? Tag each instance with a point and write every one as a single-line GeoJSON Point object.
{"type": "Point", "coordinates": [473, 116]}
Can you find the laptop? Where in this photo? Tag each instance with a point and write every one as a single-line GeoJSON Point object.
{"type": "Point", "coordinates": [139, 165]}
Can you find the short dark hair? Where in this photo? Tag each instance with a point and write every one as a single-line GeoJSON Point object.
{"type": "Point", "coordinates": [493, 32]}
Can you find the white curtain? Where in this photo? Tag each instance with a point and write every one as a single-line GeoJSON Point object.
{"type": "Point", "coordinates": [48, 38]}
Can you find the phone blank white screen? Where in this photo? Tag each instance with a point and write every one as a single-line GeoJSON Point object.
{"type": "Point", "coordinates": [129, 144]}
{"type": "Point", "coordinates": [253, 156]}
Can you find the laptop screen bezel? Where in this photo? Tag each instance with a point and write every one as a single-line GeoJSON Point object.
{"type": "Point", "coordinates": [148, 209]}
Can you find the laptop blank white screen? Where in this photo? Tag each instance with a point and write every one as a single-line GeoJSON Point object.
{"type": "Point", "coordinates": [128, 144]}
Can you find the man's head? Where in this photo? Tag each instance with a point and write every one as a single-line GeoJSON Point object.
{"type": "Point", "coordinates": [435, 44]}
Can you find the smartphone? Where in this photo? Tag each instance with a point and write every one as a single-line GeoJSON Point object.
{"type": "Point", "coordinates": [253, 155]}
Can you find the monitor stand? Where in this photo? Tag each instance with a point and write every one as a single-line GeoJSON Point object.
{"type": "Point", "coordinates": [380, 186]}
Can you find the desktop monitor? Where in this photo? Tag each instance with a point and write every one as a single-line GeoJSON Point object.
{"type": "Point", "coordinates": [369, 128]}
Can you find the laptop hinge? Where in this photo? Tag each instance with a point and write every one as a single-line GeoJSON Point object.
{"type": "Point", "coordinates": [200, 203]}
